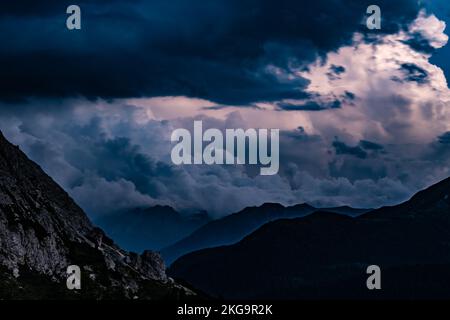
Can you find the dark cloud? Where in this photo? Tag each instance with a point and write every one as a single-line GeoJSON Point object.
{"type": "Point", "coordinates": [355, 169]}
{"type": "Point", "coordinates": [444, 138]}
{"type": "Point", "coordinates": [217, 50]}
{"type": "Point", "coordinates": [361, 150]}
{"type": "Point", "coordinates": [335, 71]}
{"type": "Point", "coordinates": [369, 145]}
{"type": "Point", "coordinates": [342, 148]}
{"type": "Point", "coordinates": [414, 73]}
{"type": "Point", "coordinates": [420, 44]}
{"type": "Point", "coordinates": [349, 95]}
{"type": "Point", "coordinates": [309, 106]}
{"type": "Point", "coordinates": [301, 135]}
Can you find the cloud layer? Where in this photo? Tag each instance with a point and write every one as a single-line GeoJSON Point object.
{"type": "Point", "coordinates": [364, 117]}
{"type": "Point", "coordinates": [220, 50]}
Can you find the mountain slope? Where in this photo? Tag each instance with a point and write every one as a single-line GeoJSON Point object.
{"type": "Point", "coordinates": [325, 255]}
{"type": "Point", "coordinates": [233, 228]}
{"type": "Point", "coordinates": [433, 202]}
{"type": "Point", "coordinates": [42, 231]}
{"type": "Point", "coordinates": [150, 228]}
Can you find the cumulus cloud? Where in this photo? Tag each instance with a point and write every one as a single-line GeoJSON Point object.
{"type": "Point", "coordinates": [113, 156]}
{"type": "Point", "coordinates": [430, 28]}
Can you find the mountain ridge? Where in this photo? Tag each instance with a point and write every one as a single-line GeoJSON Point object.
{"type": "Point", "coordinates": [43, 231]}
{"type": "Point", "coordinates": [234, 227]}
{"type": "Point", "coordinates": [325, 255]}
{"type": "Point", "coordinates": [152, 228]}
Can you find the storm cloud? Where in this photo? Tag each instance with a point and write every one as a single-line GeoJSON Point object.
{"type": "Point", "coordinates": [363, 116]}
{"type": "Point", "coordinates": [221, 50]}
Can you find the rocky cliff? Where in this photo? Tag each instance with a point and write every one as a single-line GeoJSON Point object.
{"type": "Point", "coordinates": [43, 231]}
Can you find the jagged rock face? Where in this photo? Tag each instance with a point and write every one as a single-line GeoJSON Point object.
{"type": "Point", "coordinates": [42, 231]}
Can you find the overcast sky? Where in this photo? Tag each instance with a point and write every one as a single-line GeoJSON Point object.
{"type": "Point", "coordinates": [364, 114]}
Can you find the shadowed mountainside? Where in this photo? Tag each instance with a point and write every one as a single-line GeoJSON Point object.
{"type": "Point", "coordinates": [325, 255]}
{"type": "Point", "coordinates": [150, 228]}
{"type": "Point", "coordinates": [43, 231]}
{"type": "Point", "coordinates": [233, 228]}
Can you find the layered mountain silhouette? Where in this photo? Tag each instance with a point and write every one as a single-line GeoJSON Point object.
{"type": "Point", "coordinates": [233, 228]}
{"type": "Point", "coordinates": [269, 251]}
{"type": "Point", "coordinates": [150, 228]}
{"type": "Point", "coordinates": [43, 231]}
{"type": "Point", "coordinates": [326, 255]}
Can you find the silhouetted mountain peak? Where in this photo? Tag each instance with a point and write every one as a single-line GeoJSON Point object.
{"type": "Point", "coordinates": [326, 254]}
{"type": "Point", "coordinates": [432, 202]}
{"type": "Point", "coordinates": [271, 205]}
{"type": "Point", "coordinates": [437, 194]}
{"type": "Point", "coordinates": [234, 227]}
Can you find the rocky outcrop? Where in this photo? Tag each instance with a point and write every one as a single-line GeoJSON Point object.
{"type": "Point", "coordinates": [43, 231]}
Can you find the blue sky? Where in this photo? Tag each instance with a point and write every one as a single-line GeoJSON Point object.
{"type": "Point", "coordinates": [442, 10]}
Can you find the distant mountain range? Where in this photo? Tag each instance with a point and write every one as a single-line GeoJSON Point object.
{"type": "Point", "coordinates": [233, 228]}
{"type": "Point", "coordinates": [161, 228]}
{"type": "Point", "coordinates": [325, 255]}
{"type": "Point", "coordinates": [151, 228]}
{"type": "Point", "coordinates": [271, 251]}
{"type": "Point", "coordinates": [43, 231]}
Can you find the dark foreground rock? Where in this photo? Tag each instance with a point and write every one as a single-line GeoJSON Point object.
{"type": "Point", "coordinates": [43, 231]}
